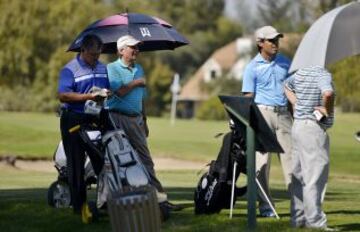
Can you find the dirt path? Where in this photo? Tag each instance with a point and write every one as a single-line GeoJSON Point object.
{"type": "Point", "coordinates": [160, 164]}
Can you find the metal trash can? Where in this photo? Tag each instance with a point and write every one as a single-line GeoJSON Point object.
{"type": "Point", "coordinates": [135, 210]}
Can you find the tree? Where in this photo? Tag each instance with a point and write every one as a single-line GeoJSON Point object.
{"type": "Point", "coordinates": [347, 83]}
{"type": "Point", "coordinates": [276, 13]}
{"type": "Point", "coordinates": [34, 36]}
{"type": "Point", "coordinates": [30, 33]}
{"type": "Point", "coordinates": [158, 80]}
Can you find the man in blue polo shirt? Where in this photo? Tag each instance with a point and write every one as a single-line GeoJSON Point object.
{"type": "Point", "coordinates": [77, 78]}
{"type": "Point", "coordinates": [264, 80]}
{"type": "Point", "coordinates": [127, 82]}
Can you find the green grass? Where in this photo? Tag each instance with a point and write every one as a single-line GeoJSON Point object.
{"type": "Point", "coordinates": [23, 205]}
{"type": "Point", "coordinates": [28, 134]}
{"type": "Point", "coordinates": [36, 135]}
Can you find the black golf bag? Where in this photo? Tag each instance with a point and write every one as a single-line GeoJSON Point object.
{"type": "Point", "coordinates": [213, 192]}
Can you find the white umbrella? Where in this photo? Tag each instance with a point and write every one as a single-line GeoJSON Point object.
{"type": "Point", "coordinates": [332, 37]}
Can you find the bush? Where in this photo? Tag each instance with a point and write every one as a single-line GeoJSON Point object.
{"type": "Point", "coordinates": [15, 99]}
{"type": "Point", "coordinates": [211, 109]}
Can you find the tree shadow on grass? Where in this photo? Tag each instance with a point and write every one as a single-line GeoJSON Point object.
{"type": "Point", "coordinates": [27, 210]}
{"type": "Point", "coordinates": [343, 212]}
{"type": "Point", "coordinates": [187, 194]}
{"type": "Point", "coordinates": [349, 227]}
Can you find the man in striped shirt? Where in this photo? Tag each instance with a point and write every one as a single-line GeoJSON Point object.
{"type": "Point", "coordinates": [310, 91]}
{"type": "Point", "coordinates": [76, 80]}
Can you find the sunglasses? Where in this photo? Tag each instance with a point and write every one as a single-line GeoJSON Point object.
{"type": "Point", "coordinates": [135, 47]}
{"type": "Point", "coordinates": [273, 41]}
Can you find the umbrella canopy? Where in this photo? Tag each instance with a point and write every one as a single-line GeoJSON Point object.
{"type": "Point", "coordinates": [155, 33]}
{"type": "Point", "coordinates": [334, 36]}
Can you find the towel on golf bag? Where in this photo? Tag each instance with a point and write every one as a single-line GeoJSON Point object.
{"type": "Point", "coordinates": [122, 166]}
{"type": "Point", "coordinates": [213, 191]}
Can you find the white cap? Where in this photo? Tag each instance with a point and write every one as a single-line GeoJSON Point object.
{"type": "Point", "coordinates": [126, 40]}
{"type": "Point", "coordinates": [267, 32]}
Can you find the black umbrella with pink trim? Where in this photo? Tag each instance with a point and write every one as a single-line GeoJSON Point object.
{"type": "Point", "coordinates": [155, 33]}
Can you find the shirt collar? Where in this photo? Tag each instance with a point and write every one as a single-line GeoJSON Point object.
{"type": "Point", "coordinates": [83, 63]}
{"type": "Point", "coordinates": [260, 59]}
{"type": "Point", "coordinates": [121, 62]}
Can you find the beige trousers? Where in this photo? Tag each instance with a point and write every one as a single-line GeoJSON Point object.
{"type": "Point", "coordinates": [280, 123]}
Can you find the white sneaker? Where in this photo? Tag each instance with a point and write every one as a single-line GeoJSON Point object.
{"type": "Point", "coordinates": [267, 213]}
{"type": "Point", "coordinates": [161, 196]}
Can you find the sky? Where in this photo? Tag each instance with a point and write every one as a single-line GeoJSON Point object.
{"type": "Point", "coordinates": [246, 17]}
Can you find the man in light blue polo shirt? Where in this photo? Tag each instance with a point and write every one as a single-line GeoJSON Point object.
{"type": "Point", "coordinates": [264, 80]}
{"type": "Point", "coordinates": [127, 82]}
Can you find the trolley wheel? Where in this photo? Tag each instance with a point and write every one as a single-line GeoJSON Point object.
{"type": "Point", "coordinates": [59, 195]}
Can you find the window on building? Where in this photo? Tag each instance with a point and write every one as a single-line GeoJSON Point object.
{"type": "Point", "coordinates": [212, 74]}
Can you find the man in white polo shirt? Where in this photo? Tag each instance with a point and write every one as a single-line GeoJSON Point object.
{"type": "Point", "coordinates": [264, 80]}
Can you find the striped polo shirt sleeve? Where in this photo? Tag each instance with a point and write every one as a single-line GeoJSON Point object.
{"type": "Point", "coordinates": [325, 82]}
{"type": "Point", "coordinates": [289, 83]}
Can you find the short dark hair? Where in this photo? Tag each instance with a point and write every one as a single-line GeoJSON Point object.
{"type": "Point", "coordinates": [91, 40]}
{"type": "Point", "coordinates": [257, 45]}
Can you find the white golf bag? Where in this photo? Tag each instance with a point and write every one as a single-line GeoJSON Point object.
{"type": "Point", "coordinates": [122, 167]}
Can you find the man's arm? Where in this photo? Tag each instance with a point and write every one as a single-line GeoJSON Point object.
{"type": "Point", "coordinates": [146, 128]}
{"type": "Point", "coordinates": [290, 95]}
{"type": "Point", "coordinates": [66, 92]}
{"type": "Point", "coordinates": [327, 93]}
{"type": "Point", "coordinates": [76, 97]}
{"type": "Point", "coordinates": [328, 100]}
{"type": "Point", "coordinates": [125, 89]}
{"type": "Point", "coordinates": [248, 94]}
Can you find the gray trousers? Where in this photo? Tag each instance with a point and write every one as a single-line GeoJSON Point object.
{"type": "Point", "coordinates": [134, 129]}
{"type": "Point", "coordinates": [280, 123]}
{"type": "Point", "coordinates": [310, 174]}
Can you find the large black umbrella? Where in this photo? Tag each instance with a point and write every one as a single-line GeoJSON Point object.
{"type": "Point", "coordinates": [155, 33]}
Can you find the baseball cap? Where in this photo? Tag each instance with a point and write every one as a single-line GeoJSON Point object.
{"type": "Point", "coordinates": [126, 40]}
{"type": "Point", "coordinates": [267, 32]}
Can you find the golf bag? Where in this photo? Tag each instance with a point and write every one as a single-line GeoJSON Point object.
{"type": "Point", "coordinates": [121, 166]}
{"type": "Point", "coordinates": [213, 191]}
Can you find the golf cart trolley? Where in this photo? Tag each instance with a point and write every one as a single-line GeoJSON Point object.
{"type": "Point", "coordinates": [357, 136]}
{"type": "Point", "coordinates": [59, 191]}
{"type": "Point", "coordinates": [111, 161]}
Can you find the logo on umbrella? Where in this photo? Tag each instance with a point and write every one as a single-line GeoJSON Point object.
{"type": "Point", "coordinates": [144, 31]}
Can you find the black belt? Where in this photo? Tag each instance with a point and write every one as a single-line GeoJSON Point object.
{"type": "Point", "coordinates": [274, 108]}
{"type": "Point", "coordinates": [125, 114]}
